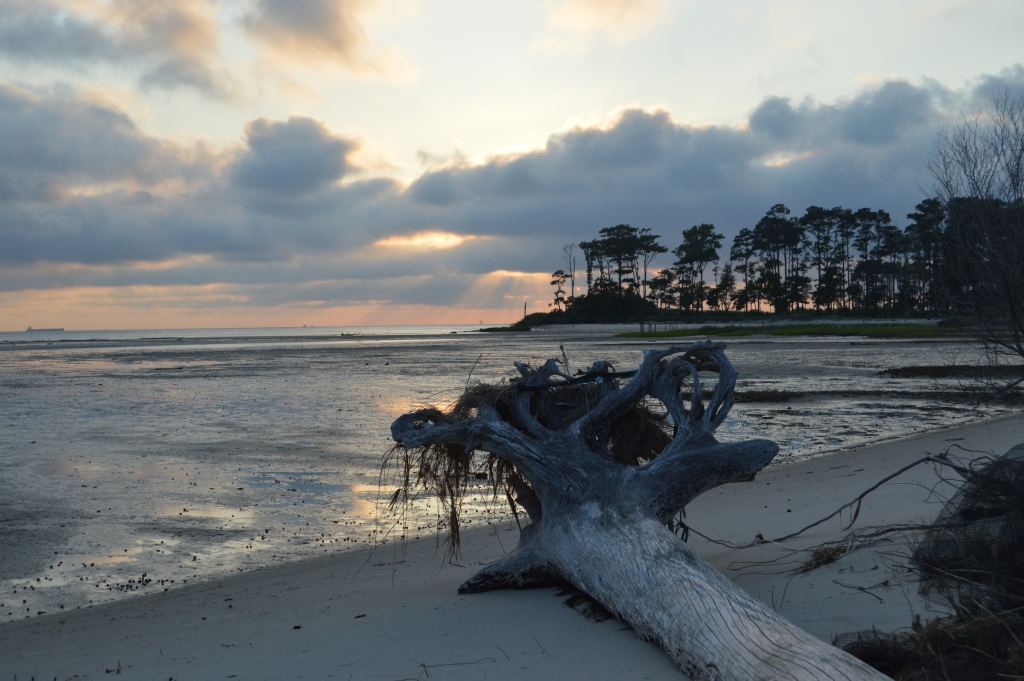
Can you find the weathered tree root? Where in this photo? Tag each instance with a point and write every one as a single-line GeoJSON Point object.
{"type": "Point", "coordinates": [601, 525]}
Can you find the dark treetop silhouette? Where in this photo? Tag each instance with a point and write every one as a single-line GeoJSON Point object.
{"type": "Point", "coordinates": [599, 498]}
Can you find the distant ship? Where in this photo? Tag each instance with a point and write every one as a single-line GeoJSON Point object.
{"type": "Point", "coordinates": [30, 330]}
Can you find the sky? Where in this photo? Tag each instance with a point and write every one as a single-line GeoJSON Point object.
{"type": "Point", "coordinates": [256, 163]}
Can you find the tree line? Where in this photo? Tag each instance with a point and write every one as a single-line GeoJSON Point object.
{"type": "Point", "coordinates": [828, 259]}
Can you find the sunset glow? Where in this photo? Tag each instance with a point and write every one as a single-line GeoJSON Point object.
{"type": "Point", "coordinates": [424, 241]}
{"type": "Point", "coordinates": [272, 163]}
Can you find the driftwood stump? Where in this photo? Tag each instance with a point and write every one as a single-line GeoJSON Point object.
{"type": "Point", "coordinates": [602, 525]}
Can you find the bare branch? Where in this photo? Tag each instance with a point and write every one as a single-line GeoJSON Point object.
{"type": "Point", "coordinates": [978, 168]}
{"type": "Point", "coordinates": [856, 502]}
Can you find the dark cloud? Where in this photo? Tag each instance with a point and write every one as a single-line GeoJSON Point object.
{"type": "Point", "coordinates": [60, 135]}
{"type": "Point", "coordinates": [80, 183]}
{"type": "Point", "coordinates": [880, 116]}
{"type": "Point", "coordinates": [172, 43]}
{"type": "Point", "coordinates": [438, 188]}
{"type": "Point", "coordinates": [283, 213]}
{"type": "Point", "coordinates": [296, 157]}
{"type": "Point", "coordinates": [637, 139]}
{"type": "Point", "coordinates": [36, 30]}
{"type": "Point", "coordinates": [1009, 80]}
{"type": "Point", "coordinates": [776, 118]}
{"type": "Point", "coordinates": [26, 186]}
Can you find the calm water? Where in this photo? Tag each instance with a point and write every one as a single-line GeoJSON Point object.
{"type": "Point", "coordinates": [132, 462]}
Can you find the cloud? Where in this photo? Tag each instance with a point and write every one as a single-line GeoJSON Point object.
{"type": "Point", "coordinates": [880, 116]}
{"type": "Point", "coordinates": [1009, 80]}
{"type": "Point", "coordinates": [619, 21]}
{"type": "Point", "coordinates": [331, 31]}
{"type": "Point", "coordinates": [776, 118]}
{"type": "Point", "coordinates": [291, 158]}
{"type": "Point", "coordinates": [185, 28]}
{"type": "Point", "coordinates": [177, 45]}
{"type": "Point", "coordinates": [37, 30]}
{"type": "Point", "coordinates": [172, 43]}
{"type": "Point", "coordinates": [184, 35]}
{"type": "Point", "coordinates": [62, 138]}
{"type": "Point", "coordinates": [877, 116]}
{"type": "Point", "coordinates": [90, 200]}
{"type": "Point", "coordinates": [80, 183]}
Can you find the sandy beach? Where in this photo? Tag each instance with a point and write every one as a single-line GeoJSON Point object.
{"type": "Point", "coordinates": [397, 615]}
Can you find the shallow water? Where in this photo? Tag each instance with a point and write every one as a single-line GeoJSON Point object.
{"type": "Point", "coordinates": [138, 461]}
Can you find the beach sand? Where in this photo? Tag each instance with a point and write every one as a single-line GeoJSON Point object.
{"type": "Point", "coordinates": [393, 615]}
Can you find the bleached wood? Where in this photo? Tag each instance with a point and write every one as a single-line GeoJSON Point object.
{"type": "Point", "coordinates": [712, 629]}
{"type": "Point", "coordinates": [601, 525]}
{"type": "Point", "coordinates": [679, 476]}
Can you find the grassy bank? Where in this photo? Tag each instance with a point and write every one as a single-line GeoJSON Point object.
{"type": "Point", "coordinates": [864, 330]}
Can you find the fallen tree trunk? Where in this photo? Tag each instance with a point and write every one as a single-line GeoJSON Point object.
{"type": "Point", "coordinates": [601, 525]}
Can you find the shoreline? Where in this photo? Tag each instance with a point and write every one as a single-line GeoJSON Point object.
{"type": "Point", "coordinates": [390, 615]}
{"type": "Point", "coordinates": [808, 458]}
{"type": "Point", "coordinates": [257, 437]}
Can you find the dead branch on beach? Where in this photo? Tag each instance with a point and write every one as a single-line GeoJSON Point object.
{"type": "Point", "coordinates": [970, 559]}
{"type": "Point", "coordinates": [855, 504]}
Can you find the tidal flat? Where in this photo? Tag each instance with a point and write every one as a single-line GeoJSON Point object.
{"type": "Point", "coordinates": [134, 462]}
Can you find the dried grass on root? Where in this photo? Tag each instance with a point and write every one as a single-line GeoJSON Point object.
{"type": "Point", "coordinates": [986, 647]}
{"type": "Point", "coordinates": [448, 470]}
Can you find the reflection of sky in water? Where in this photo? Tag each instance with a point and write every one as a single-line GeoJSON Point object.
{"type": "Point", "coordinates": [274, 447]}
